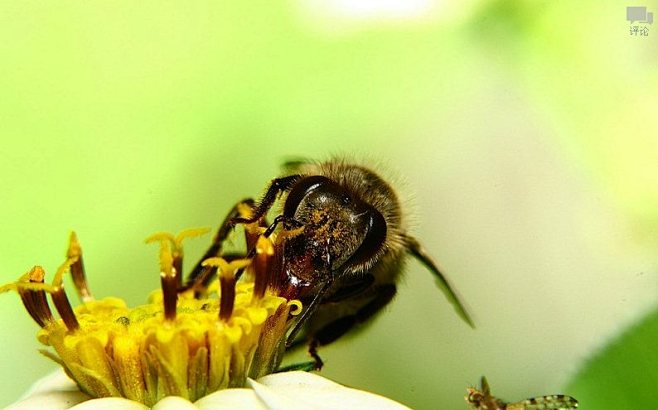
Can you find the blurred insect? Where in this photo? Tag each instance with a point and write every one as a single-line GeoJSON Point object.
{"type": "Point", "coordinates": [340, 246]}
{"type": "Point", "coordinates": [483, 400]}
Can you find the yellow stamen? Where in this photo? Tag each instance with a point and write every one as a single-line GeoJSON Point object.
{"type": "Point", "coordinates": [78, 269]}
{"type": "Point", "coordinates": [263, 267]}
{"type": "Point", "coordinates": [180, 343]}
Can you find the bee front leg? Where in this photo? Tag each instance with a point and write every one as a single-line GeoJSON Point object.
{"type": "Point", "coordinates": [334, 330]}
{"type": "Point", "coordinates": [337, 328]}
{"type": "Point", "coordinates": [288, 224]}
{"type": "Point", "coordinates": [313, 351]}
{"type": "Point", "coordinates": [315, 364]}
{"type": "Point", "coordinates": [199, 274]}
{"type": "Point", "coordinates": [277, 186]}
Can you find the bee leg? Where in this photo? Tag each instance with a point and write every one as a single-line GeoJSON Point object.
{"type": "Point", "coordinates": [337, 328]}
{"type": "Point", "coordinates": [313, 351]}
{"type": "Point", "coordinates": [351, 289]}
{"type": "Point", "coordinates": [206, 274]}
{"type": "Point", "coordinates": [315, 364]}
{"type": "Point", "coordinates": [277, 186]}
{"type": "Point", "coordinates": [288, 224]}
{"type": "Point", "coordinates": [297, 342]}
{"type": "Point", "coordinates": [198, 275]}
{"type": "Point", "coordinates": [346, 291]}
{"type": "Point", "coordinates": [303, 366]}
{"type": "Point", "coordinates": [308, 313]}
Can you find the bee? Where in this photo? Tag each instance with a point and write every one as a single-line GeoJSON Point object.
{"type": "Point", "coordinates": [340, 247]}
{"type": "Point", "coordinates": [483, 400]}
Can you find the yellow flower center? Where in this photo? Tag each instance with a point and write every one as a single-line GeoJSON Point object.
{"type": "Point", "coordinates": [187, 341]}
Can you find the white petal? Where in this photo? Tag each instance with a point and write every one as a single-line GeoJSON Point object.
{"type": "Point", "coordinates": [55, 381]}
{"type": "Point", "coordinates": [274, 400]}
{"type": "Point", "coordinates": [280, 391]}
{"type": "Point", "coordinates": [53, 392]}
{"type": "Point", "coordinates": [110, 403]}
{"type": "Point", "coordinates": [174, 403]}
{"type": "Point", "coordinates": [311, 391]}
{"type": "Point", "coordinates": [231, 399]}
{"type": "Point", "coordinates": [56, 400]}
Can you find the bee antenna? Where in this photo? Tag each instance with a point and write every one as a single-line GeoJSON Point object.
{"type": "Point", "coordinates": [417, 251]}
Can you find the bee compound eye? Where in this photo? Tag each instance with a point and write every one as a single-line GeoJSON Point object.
{"type": "Point", "coordinates": [346, 199]}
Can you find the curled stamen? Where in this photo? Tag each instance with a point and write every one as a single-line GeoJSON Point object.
{"type": "Point", "coordinates": [35, 300]}
{"type": "Point", "coordinates": [263, 267]}
{"type": "Point", "coordinates": [78, 269]}
{"type": "Point", "coordinates": [32, 292]}
{"type": "Point", "coordinates": [189, 233]}
{"type": "Point", "coordinates": [295, 307]}
{"type": "Point", "coordinates": [166, 258]}
{"type": "Point", "coordinates": [252, 233]}
{"type": "Point", "coordinates": [226, 274]}
{"type": "Point", "coordinates": [169, 276]}
{"type": "Point", "coordinates": [169, 284]}
{"type": "Point", "coordinates": [61, 301]}
{"type": "Point", "coordinates": [227, 284]}
{"type": "Point", "coordinates": [197, 344]}
{"type": "Point", "coordinates": [177, 247]}
{"type": "Point", "coordinates": [159, 237]}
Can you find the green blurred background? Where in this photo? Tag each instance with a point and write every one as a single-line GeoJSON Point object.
{"type": "Point", "coordinates": [523, 134]}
